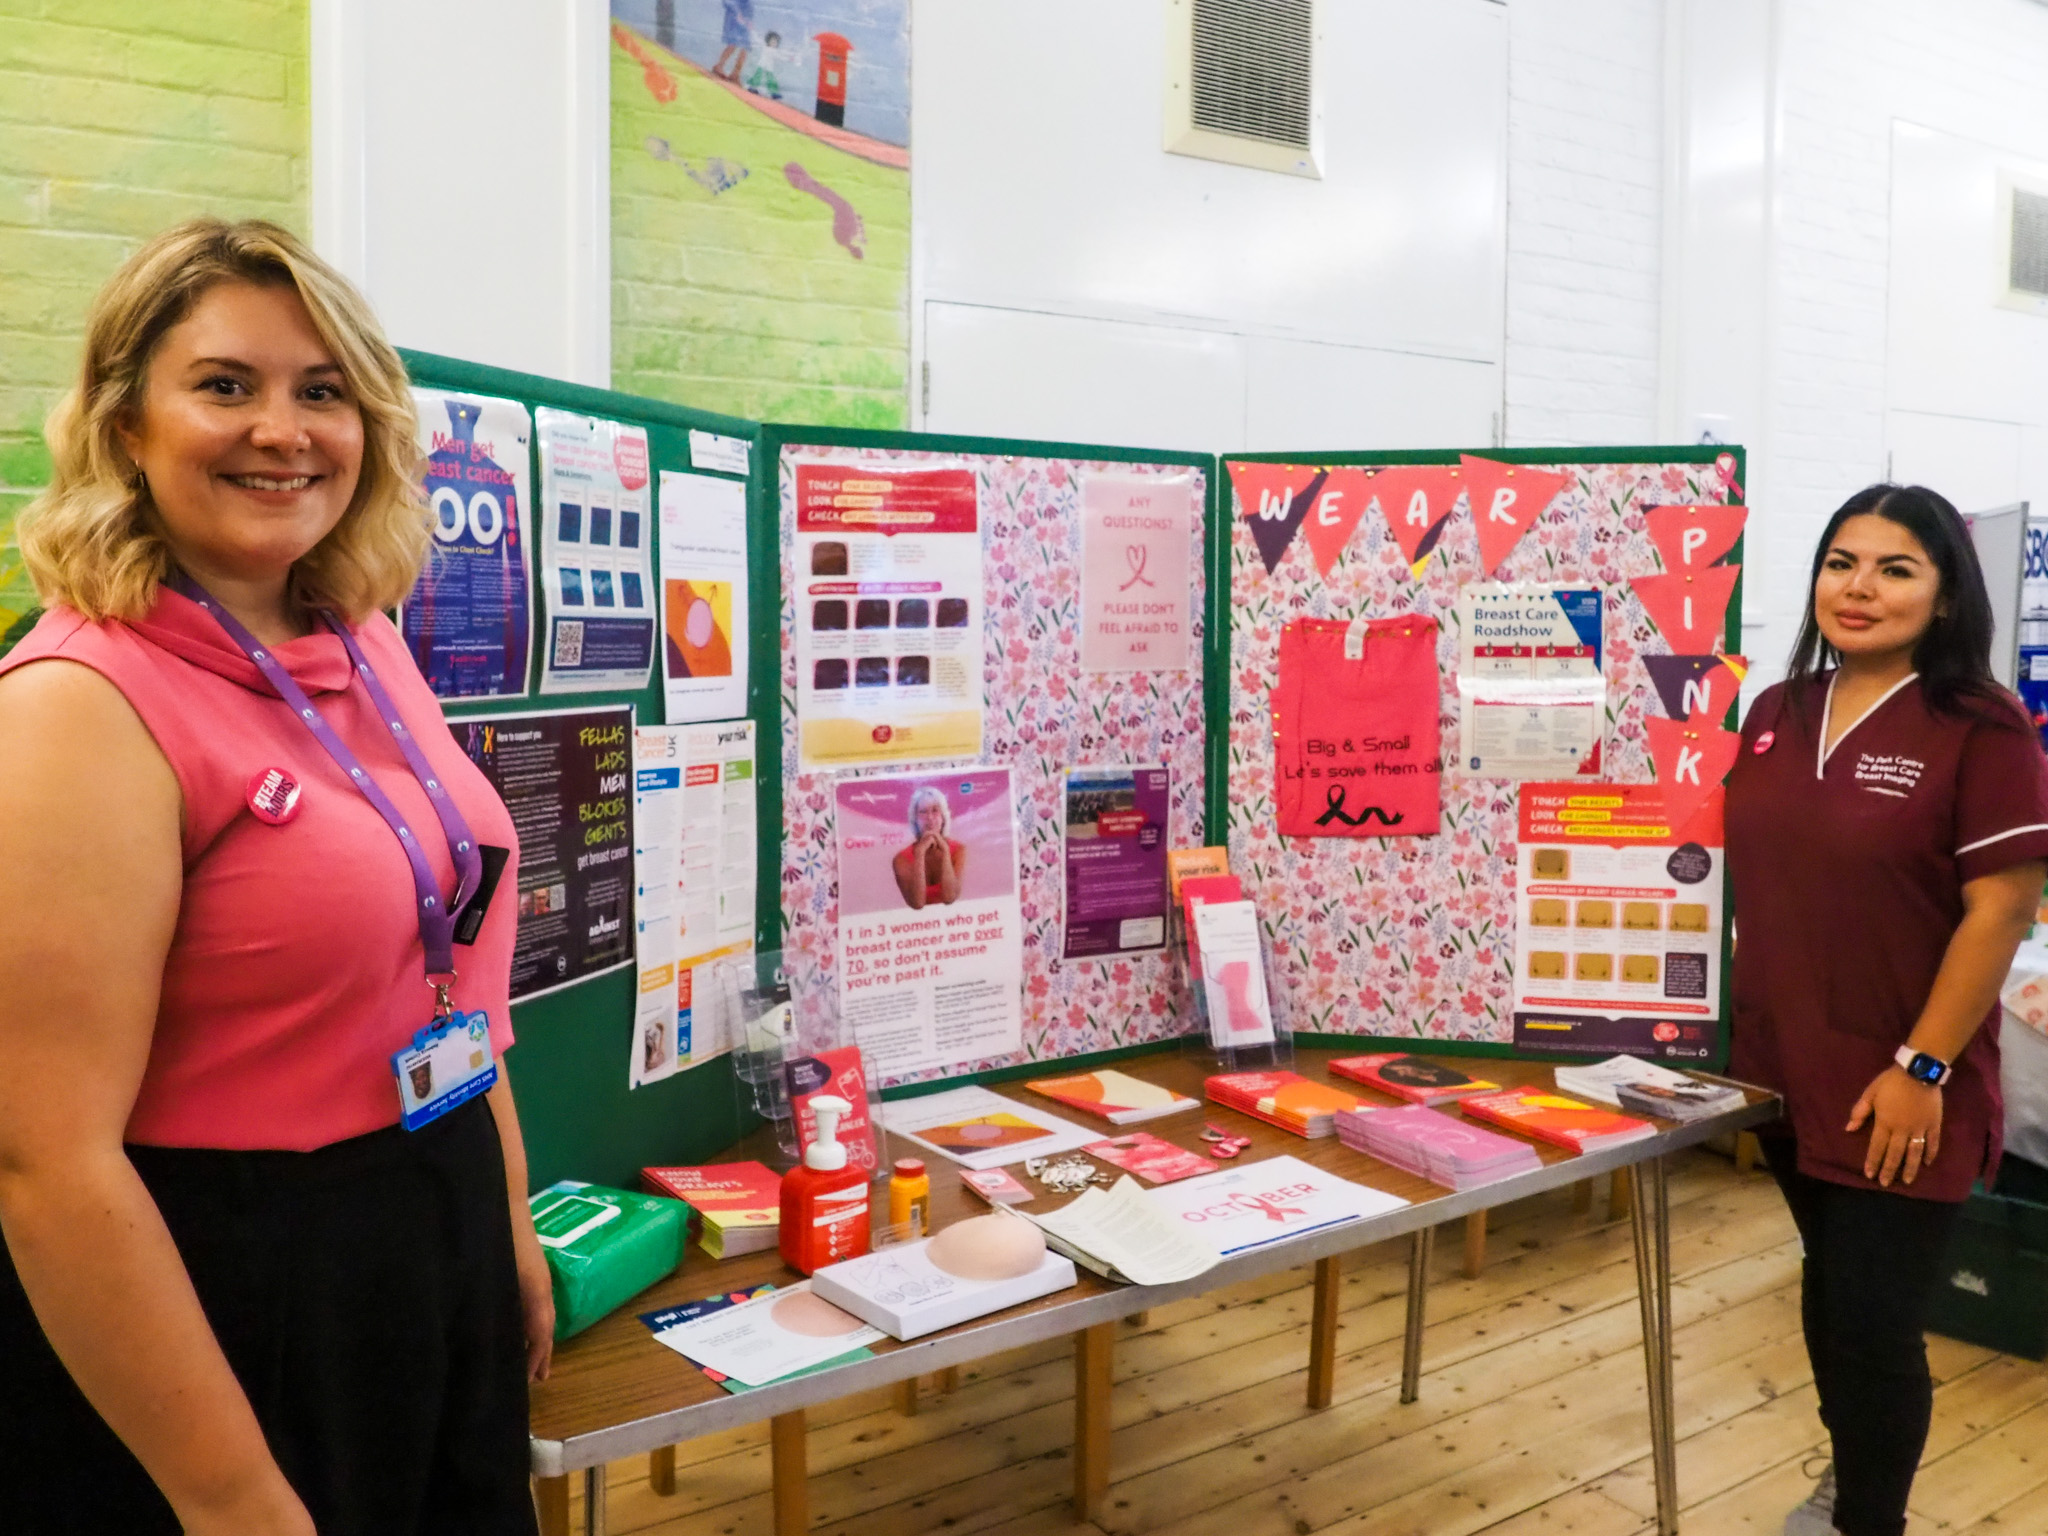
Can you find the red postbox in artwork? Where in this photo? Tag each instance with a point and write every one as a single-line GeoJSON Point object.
{"type": "Point", "coordinates": [832, 55]}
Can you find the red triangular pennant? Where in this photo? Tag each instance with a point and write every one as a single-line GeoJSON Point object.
{"type": "Point", "coordinates": [1273, 499]}
{"type": "Point", "coordinates": [1691, 757]}
{"type": "Point", "coordinates": [1415, 499]}
{"type": "Point", "coordinates": [1689, 611]}
{"type": "Point", "coordinates": [1334, 514]}
{"type": "Point", "coordinates": [1506, 500]}
{"type": "Point", "coordinates": [1693, 538]}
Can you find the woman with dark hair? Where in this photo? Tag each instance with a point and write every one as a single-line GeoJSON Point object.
{"type": "Point", "coordinates": [1887, 832]}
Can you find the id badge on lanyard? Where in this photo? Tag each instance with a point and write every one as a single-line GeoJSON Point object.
{"type": "Point", "coordinates": [449, 1061]}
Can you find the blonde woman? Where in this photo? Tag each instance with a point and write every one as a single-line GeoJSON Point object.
{"type": "Point", "coordinates": [236, 1295]}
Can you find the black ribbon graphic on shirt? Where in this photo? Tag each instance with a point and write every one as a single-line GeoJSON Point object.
{"type": "Point", "coordinates": [1334, 800]}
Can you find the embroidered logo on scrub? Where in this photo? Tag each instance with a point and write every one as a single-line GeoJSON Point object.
{"type": "Point", "coordinates": [274, 796]}
{"type": "Point", "coordinates": [1888, 774]}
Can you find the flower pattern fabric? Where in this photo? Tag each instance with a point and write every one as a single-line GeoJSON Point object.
{"type": "Point", "coordinates": [1043, 715]}
{"type": "Point", "coordinates": [1416, 936]}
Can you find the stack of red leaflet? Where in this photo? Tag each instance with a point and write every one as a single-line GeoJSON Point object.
{"type": "Point", "coordinates": [1437, 1146]}
{"type": "Point", "coordinates": [1285, 1099]}
{"type": "Point", "coordinates": [1556, 1119]}
{"type": "Point", "coordinates": [1410, 1077]}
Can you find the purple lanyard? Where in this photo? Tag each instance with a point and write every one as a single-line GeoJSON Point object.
{"type": "Point", "coordinates": [437, 920]}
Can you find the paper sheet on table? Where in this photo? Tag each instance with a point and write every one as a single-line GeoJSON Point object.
{"type": "Point", "coordinates": [979, 1129]}
{"type": "Point", "coordinates": [1120, 1233]}
{"type": "Point", "coordinates": [770, 1336]}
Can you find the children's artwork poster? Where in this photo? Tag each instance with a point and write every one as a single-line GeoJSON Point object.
{"type": "Point", "coordinates": [2032, 685]}
{"type": "Point", "coordinates": [1532, 699]}
{"type": "Point", "coordinates": [469, 621]}
{"type": "Point", "coordinates": [703, 597]}
{"type": "Point", "coordinates": [694, 859]}
{"type": "Point", "coordinates": [566, 776]}
{"type": "Point", "coordinates": [1619, 923]}
{"type": "Point", "coordinates": [1415, 937]}
{"type": "Point", "coordinates": [1115, 861]}
{"type": "Point", "coordinates": [1045, 713]}
{"type": "Point", "coordinates": [930, 935]}
{"type": "Point", "coordinates": [595, 563]}
{"type": "Point", "coordinates": [1134, 572]}
{"type": "Point", "coordinates": [889, 615]}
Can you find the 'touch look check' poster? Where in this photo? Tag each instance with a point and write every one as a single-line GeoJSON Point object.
{"type": "Point", "coordinates": [888, 615]}
{"type": "Point", "coordinates": [1618, 924]}
{"type": "Point", "coordinates": [931, 950]}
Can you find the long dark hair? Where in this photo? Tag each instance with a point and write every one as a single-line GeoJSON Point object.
{"type": "Point", "coordinates": [1953, 656]}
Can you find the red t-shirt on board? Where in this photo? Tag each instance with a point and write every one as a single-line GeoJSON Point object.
{"type": "Point", "coordinates": [295, 969]}
{"type": "Point", "coordinates": [1848, 872]}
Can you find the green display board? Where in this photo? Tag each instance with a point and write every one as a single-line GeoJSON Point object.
{"type": "Point", "coordinates": [568, 1068]}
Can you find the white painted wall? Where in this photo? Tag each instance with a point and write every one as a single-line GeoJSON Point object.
{"type": "Point", "coordinates": [461, 174]}
{"type": "Point", "coordinates": [1073, 279]}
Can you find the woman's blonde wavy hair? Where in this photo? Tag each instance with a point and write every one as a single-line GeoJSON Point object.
{"type": "Point", "coordinates": [92, 540]}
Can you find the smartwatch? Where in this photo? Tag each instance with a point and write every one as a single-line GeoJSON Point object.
{"type": "Point", "coordinates": [1923, 1068]}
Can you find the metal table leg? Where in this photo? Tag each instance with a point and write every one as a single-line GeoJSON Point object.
{"type": "Point", "coordinates": [593, 1500]}
{"type": "Point", "coordinates": [1650, 1226]}
{"type": "Point", "coordinates": [1418, 1289]}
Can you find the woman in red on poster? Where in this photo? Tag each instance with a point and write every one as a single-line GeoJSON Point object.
{"type": "Point", "coordinates": [1887, 832]}
{"type": "Point", "coordinates": [929, 870]}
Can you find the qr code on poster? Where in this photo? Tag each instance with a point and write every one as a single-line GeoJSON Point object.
{"type": "Point", "coordinates": [569, 643]}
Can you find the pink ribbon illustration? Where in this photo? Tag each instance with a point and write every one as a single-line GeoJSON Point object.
{"type": "Point", "coordinates": [1135, 556]}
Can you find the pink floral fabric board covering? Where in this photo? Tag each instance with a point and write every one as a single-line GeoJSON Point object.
{"type": "Point", "coordinates": [1044, 714]}
{"type": "Point", "coordinates": [1412, 936]}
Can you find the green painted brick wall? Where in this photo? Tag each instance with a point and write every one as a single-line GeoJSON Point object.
{"type": "Point", "coordinates": [117, 119]}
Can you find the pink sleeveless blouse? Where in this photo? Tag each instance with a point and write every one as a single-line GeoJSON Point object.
{"type": "Point", "coordinates": [295, 969]}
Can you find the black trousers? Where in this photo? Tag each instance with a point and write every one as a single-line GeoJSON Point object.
{"type": "Point", "coordinates": [365, 1296]}
{"type": "Point", "coordinates": [1873, 1258]}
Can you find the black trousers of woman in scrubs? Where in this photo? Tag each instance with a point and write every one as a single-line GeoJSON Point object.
{"type": "Point", "coordinates": [1873, 1259]}
{"type": "Point", "coordinates": [366, 1297]}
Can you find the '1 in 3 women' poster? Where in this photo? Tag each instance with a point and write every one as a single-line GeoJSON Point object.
{"type": "Point", "coordinates": [469, 621]}
{"type": "Point", "coordinates": [596, 531]}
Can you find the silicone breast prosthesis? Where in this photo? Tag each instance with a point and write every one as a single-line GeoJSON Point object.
{"type": "Point", "coordinates": [992, 1247]}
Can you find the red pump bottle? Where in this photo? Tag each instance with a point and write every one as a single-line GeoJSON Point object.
{"type": "Point", "coordinates": [824, 1202]}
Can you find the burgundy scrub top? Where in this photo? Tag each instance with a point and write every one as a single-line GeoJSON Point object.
{"type": "Point", "coordinates": [1848, 871]}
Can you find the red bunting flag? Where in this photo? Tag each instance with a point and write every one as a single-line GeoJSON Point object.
{"type": "Point", "coordinates": [1693, 538]}
{"type": "Point", "coordinates": [1689, 611]}
{"type": "Point", "coordinates": [1415, 499]}
{"type": "Point", "coordinates": [1691, 757]}
{"type": "Point", "coordinates": [1506, 501]}
{"type": "Point", "coordinates": [1273, 498]}
{"type": "Point", "coordinates": [1334, 514]}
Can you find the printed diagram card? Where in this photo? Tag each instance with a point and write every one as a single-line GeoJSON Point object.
{"type": "Point", "coordinates": [703, 597]}
{"type": "Point", "coordinates": [469, 621]}
{"type": "Point", "coordinates": [1618, 930]}
{"type": "Point", "coordinates": [888, 591]}
{"type": "Point", "coordinates": [1532, 699]}
{"type": "Point", "coordinates": [1135, 544]}
{"type": "Point", "coordinates": [595, 537]}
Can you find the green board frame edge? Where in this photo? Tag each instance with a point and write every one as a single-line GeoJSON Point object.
{"type": "Point", "coordinates": [1218, 692]}
{"type": "Point", "coordinates": [568, 1072]}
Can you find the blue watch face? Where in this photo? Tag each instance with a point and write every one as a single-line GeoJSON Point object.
{"type": "Point", "coordinates": [1927, 1069]}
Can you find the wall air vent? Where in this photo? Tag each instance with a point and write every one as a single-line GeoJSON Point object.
{"type": "Point", "coordinates": [2023, 220]}
{"type": "Point", "coordinates": [1241, 83]}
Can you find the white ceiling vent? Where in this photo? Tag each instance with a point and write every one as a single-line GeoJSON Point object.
{"type": "Point", "coordinates": [2023, 210]}
{"type": "Point", "coordinates": [1241, 83]}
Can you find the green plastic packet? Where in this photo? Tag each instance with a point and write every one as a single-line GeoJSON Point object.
{"type": "Point", "coordinates": [604, 1246]}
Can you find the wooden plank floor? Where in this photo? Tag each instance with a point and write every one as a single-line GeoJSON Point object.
{"type": "Point", "coordinates": [1531, 1420]}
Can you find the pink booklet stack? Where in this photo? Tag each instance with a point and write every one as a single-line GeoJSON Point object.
{"type": "Point", "coordinates": [1439, 1147]}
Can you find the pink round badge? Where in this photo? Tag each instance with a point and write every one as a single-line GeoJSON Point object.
{"type": "Point", "coordinates": [274, 796]}
{"type": "Point", "coordinates": [1763, 743]}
